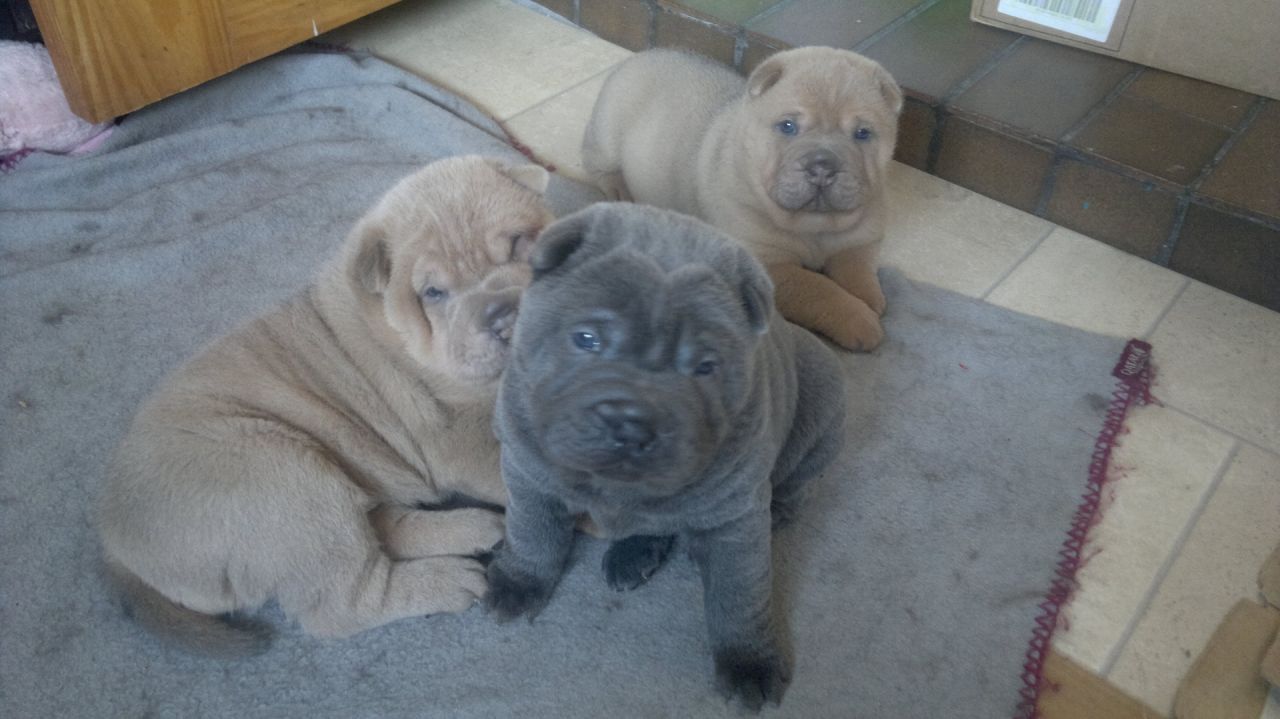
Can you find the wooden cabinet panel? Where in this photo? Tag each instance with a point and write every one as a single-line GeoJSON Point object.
{"type": "Point", "coordinates": [114, 57]}
{"type": "Point", "coordinates": [256, 28]}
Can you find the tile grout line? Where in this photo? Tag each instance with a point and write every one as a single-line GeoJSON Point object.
{"type": "Point", "coordinates": [1229, 144]}
{"type": "Point", "coordinates": [1063, 143]}
{"type": "Point", "coordinates": [651, 30]}
{"type": "Point", "coordinates": [1151, 330]}
{"type": "Point", "coordinates": [1164, 255]}
{"type": "Point", "coordinates": [544, 101]}
{"type": "Point", "coordinates": [1021, 260]}
{"type": "Point", "coordinates": [1113, 655]}
{"type": "Point", "coordinates": [767, 12]}
{"type": "Point", "coordinates": [1222, 430]}
{"type": "Point", "coordinates": [1157, 105]}
{"type": "Point", "coordinates": [982, 71]}
{"type": "Point", "coordinates": [1101, 106]}
{"type": "Point", "coordinates": [941, 113]}
{"type": "Point", "coordinates": [894, 24]}
{"type": "Point", "coordinates": [739, 48]}
{"type": "Point", "coordinates": [1049, 185]}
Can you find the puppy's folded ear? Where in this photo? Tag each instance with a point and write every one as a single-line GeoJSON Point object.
{"type": "Point", "coordinates": [563, 241]}
{"type": "Point", "coordinates": [889, 89]}
{"type": "Point", "coordinates": [369, 264]}
{"type": "Point", "coordinates": [531, 177]}
{"type": "Point", "coordinates": [558, 243]}
{"type": "Point", "coordinates": [765, 76]}
{"type": "Point", "coordinates": [756, 290]}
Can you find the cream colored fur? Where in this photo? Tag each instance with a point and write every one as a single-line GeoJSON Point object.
{"type": "Point", "coordinates": [291, 458]}
{"type": "Point", "coordinates": [681, 132]}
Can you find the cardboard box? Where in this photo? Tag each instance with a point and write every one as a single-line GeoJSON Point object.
{"type": "Point", "coordinates": [1234, 43]}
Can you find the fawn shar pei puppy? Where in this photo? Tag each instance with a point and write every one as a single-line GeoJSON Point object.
{"type": "Point", "coordinates": [298, 457]}
{"type": "Point", "coordinates": [790, 161]}
{"type": "Point", "coordinates": [653, 387]}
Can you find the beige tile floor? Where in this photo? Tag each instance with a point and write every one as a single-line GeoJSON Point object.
{"type": "Point", "coordinates": [1195, 505]}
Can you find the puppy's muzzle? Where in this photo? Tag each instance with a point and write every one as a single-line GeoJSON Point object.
{"type": "Point", "coordinates": [815, 179]}
{"type": "Point", "coordinates": [820, 167]}
{"type": "Point", "coordinates": [499, 316]}
{"type": "Point", "coordinates": [628, 426]}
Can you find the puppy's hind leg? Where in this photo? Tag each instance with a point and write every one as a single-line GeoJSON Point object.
{"type": "Point", "coordinates": [337, 578]}
{"type": "Point", "coordinates": [817, 430]}
{"type": "Point", "coordinates": [415, 533]}
{"type": "Point", "coordinates": [223, 637]}
{"type": "Point", "coordinates": [603, 164]}
{"type": "Point", "coordinates": [789, 492]}
{"type": "Point", "coordinates": [613, 186]}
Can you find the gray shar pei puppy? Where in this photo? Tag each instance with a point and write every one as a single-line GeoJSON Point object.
{"type": "Point", "coordinates": [653, 387]}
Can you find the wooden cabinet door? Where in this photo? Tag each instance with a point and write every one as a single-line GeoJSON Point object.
{"type": "Point", "coordinates": [114, 57]}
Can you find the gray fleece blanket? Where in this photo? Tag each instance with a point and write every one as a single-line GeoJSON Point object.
{"type": "Point", "coordinates": [909, 585]}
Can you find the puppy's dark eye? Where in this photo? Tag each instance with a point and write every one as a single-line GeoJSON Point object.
{"type": "Point", "coordinates": [433, 294]}
{"type": "Point", "coordinates": [586, 341]}
{"type": "Point", "coordinates": [519, 241]}
{"type": "Point", "coordinates": [787, 127]}
{"type": "Point", "coordinates": [862, 134]}
{"type": "Point", "coordinates": [705, 368]}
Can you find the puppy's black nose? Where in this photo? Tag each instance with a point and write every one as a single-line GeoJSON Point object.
{"type": "Point", "coordinates": [500, 316]}
{"type": "Point", "coordinates": [820, 167]}
{"type": "Point", "coordinates": [629, 424]}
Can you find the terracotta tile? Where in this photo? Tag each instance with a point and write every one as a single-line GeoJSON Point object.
{"type": "Point", "coordinates": [1218, 359]}
{"type": "Point", "coordinates": [1231, 254]}
{"type": "Point", "coordinates": [734, 11]}
{"type": "Point", "coordinates": [758, 48]}
{"type": "Point", "coordinates": [939, 48]}
{"type": "Point", "coordinates": [1073, 280]}
{"type": "Point", "coordinates": [1152, 138]}
{"type": "Point", "coordinates": [915, 132]}
{"type": "Point", "coordinates": [994, 164]}
{"type": "Point", "coordinates": [563, 8]}
{"type": "Point", "coordinates": [621, 22]}
{"type": "Point", "coordinates": [1203, 100]}
{"type": "Point", "coordinates": [1127, 214]}
{"type": "Point", "coordinates": [1215, 568]}
{"type": "Point", "coordinates": [948, 236]}
{"type": "Point", "coordinates": [837, 23]}
{"type": "Point", "coordinates": [1044, 88]}
{"type": "Point", "coordinates": [1162, 472]}
{"type": "Point", "coordinates": [1249, 176]}
{"type": "Point", "coordinates": [682, 31]}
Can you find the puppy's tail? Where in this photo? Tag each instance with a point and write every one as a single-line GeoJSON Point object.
{"type": "Point", "coordinates": [221, 637]}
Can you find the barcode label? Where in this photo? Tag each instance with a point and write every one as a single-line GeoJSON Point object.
{"type": "Point", "coordinates": [1088, 19]}
{"type": "Point", "coordinates": [1086, 10]}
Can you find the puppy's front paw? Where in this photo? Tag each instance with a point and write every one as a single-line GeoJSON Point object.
{"type": "Point", "coordinates": [859, 330]}
{"type": "Point", "coordinates": [512, 595]}
{"type": "Point", "coordinates": [874, 297]}
{"type": "Point", "coordinates": [752, 677]}
{"type": "Point", "coordinates": [630, 562]}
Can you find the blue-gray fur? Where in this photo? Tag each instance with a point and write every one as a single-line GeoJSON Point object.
{"type": "Point", "coordinates": [673, 290]}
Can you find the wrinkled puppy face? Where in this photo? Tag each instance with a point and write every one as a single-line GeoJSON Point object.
{"type": "Point", "coordinates": [445, 252]}
{"type": "Point", "coordinates": [823, 128]}
{"type": "Point", "coordinates": [635, 345]}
